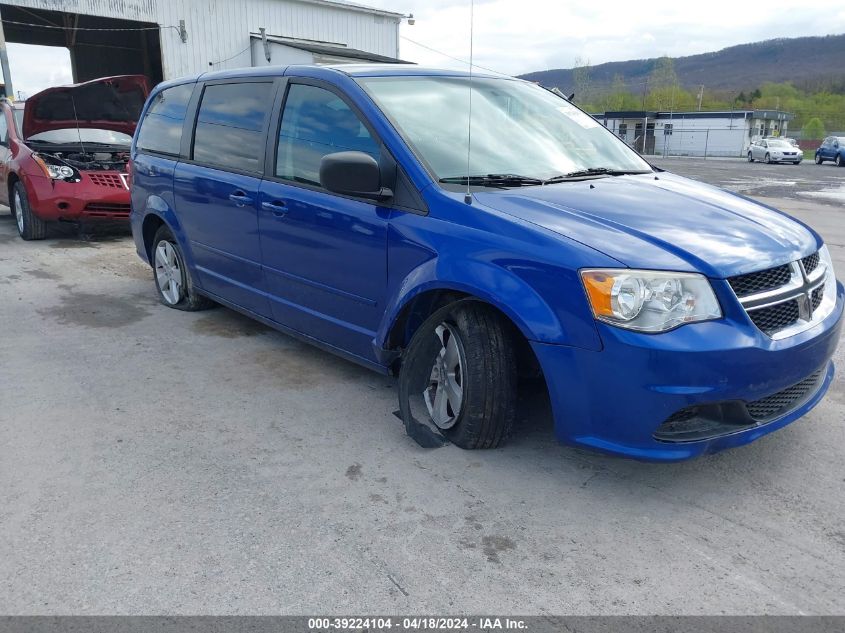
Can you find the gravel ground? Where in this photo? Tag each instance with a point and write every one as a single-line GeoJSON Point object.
{"type": "Point", "coordinates": [154, 461]}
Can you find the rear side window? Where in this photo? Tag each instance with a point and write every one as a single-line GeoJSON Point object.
{"type": "Point", "coordinates": [230, 123]}
{"type": "Point", "coordinates": [161, 130]}
{"type": "Point", "coordinates": [317, 122]}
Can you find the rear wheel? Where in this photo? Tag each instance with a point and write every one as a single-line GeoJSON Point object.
{"type": "Point", "coordinates": [839, 161]}
{"type": "Point", "coordinates": [30, 227]}
{"type": "Point", "coordinates": [459, 371]}
{"type": "Point", "coordinates": [172, 279]}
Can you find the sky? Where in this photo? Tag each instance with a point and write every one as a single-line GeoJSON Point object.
{"type": "Point", "coordinates": [35, 68]}
{"type": "Point", "coordinates": [519, 36]}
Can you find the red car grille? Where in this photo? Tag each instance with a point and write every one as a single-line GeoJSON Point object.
{"type": "Point", "coordinates": [103, 209]}
{"type": "Point", "coordinates": [107, 179]}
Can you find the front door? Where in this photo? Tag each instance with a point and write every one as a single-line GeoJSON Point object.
{"type": "Point", "coordinates": [216, 192]}
{"type": "Point", "coordinates": [325, 255]}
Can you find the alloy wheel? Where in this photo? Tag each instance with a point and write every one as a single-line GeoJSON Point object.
{"type": "Point", "coordinates": [19, 212]}
{"type": "Point", "coordinates": [168, 272]}
{"type": "Point", "coordinates": [444, 395]}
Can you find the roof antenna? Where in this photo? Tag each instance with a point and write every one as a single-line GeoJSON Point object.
{"type": "Point", "coordinates": [468, 195]}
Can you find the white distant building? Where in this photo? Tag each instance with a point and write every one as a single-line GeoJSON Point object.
{"type": "Point", "coordinates": [695, 133]}
{"type": "Point", "coordinates": [164, 39]}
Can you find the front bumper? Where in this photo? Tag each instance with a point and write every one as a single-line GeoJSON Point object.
{"type": "Point", "coordinates": [53, 200]}
{"type": "Point", "coordinates": [787, 159]}
{"type": "Point", "coordinates": [614, 400]}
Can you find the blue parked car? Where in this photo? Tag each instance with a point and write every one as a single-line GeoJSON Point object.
{"type": "Point", "coordinates": [832, 149]}
{"type": "Point", "coordinates": [347, 206]}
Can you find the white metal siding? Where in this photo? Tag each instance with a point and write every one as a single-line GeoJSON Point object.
{"type": "Point", "coordinates": [219, 29]}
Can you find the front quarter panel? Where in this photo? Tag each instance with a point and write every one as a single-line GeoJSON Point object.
{"type": "Point", "coordinates": [529, 274]}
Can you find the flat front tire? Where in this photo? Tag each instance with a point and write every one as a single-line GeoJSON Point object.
{"type": "Point", "coordinates": [460, 368]}
{"type": "Point", "coordinates": [172, 279]}
{"type": "Point", "coordinates": [30, 227]}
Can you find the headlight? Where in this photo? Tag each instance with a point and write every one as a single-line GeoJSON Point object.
{"type": "Point", "coordinates": [54, 170]}
{"type": "Point", "coordinates": [649, 301]}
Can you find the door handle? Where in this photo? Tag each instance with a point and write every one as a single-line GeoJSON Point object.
{"type": "Point", "coordinates": [240, 198]}
{"type": "Point", "coordinates": [278, 208]}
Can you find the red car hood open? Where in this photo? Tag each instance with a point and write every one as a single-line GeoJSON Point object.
{"type": "Point", "coordinates": [109, 103]}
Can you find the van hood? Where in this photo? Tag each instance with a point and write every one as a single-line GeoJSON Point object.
{"type": "Point", "coordinates": [109, 103]}
{"type": "Point", "coordinates": [662, 221]}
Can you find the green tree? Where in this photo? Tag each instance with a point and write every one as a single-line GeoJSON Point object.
{"type": "Point", "coordinates": [662, 85]}
{"type": "Point", "coordinates": [813, 129]}
{"type": "Point", "coordinates": [581, 78]}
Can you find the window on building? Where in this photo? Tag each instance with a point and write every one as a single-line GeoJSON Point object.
{"type": "Point", "coordinates": [623, 130]}
{"type": "Point", "coordinates": [667, 129]}
{"type": "Point", "coordinates": [317, 122]}
{"type": "Point", "coordinates": [230, 125]}
{"type": "Point", "coordinates": [161, 130]}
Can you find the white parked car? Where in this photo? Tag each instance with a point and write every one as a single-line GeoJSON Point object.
{"type": "Point", "coordinates": [774, 150]}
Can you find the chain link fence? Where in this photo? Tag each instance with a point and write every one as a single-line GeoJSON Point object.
{"type": "Point", "coordinates": [670, 140]}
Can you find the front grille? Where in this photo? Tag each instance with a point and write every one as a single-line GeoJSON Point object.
{"type": "Point", "coordinates": [784, 401]}
{"type": "Point", "coordinates": [776, 317]}
{"type": "Point", "coordinates": [107, 179]}
{"type": "Point", "coordinates": [716, 419]}
{"type": "Point", "coordinates": [786, 299]}
{"type": "Point", "coordinates": [103, 209]}
{"type": "Point", "coordinates": [752, 283]}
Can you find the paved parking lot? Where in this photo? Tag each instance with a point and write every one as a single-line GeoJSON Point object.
{"type": "Point", "coordinates": [823, 183]}
{"type": "Point", "coordinates": [153, 461]}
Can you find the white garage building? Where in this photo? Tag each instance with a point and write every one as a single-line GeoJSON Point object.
{"type": "Point", "coordinates": [695, 133]}
{"type": "Point", "coordinates": [171, 38]}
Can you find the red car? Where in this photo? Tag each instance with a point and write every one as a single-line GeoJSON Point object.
{"type": "Point", "coordinates": [64, 152]}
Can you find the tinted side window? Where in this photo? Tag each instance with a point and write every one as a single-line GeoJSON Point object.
{"type": "Point", "coordinates": [317, 122]}
{"type": "Point", "coordinates": [229, 125]}
{"type": "Point", "coordinates": [161, 130]}
{"type": "Point", "coordinates": [4, 127]}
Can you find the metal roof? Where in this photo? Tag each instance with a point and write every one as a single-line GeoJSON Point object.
{"type": "Point", "coordinates": [328, 48]}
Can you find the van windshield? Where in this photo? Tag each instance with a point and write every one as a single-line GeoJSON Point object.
{"type": "Point", "coordinates": [518, 128]}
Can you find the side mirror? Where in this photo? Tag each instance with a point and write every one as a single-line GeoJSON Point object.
{"type": "Point", "coordinates": [353, 174]}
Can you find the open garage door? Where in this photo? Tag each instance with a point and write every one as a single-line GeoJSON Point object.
{"type": "Point", "coordinates": [99, 47]}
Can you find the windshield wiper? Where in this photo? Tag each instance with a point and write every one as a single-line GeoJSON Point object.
{"type": "Point", "coordinates": [592, 171]}
{"type": "Point", "coordinates": [494, 180]}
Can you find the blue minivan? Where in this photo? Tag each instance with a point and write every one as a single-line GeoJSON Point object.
{"type": "Point", "coordinates": [463, 232]}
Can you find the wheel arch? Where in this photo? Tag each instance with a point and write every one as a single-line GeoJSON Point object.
{"type": "Point", "coordinates": [422, 305]}
{"type": "Point", "coordinates": [157, 214]}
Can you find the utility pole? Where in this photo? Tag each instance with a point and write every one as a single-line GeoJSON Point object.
{"type": "Point", "coordinates": [700, 96]}
{"type": "Point", "coordinates": [4, 62]}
